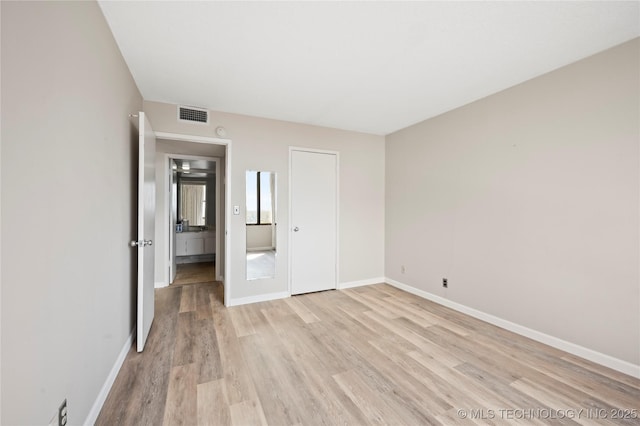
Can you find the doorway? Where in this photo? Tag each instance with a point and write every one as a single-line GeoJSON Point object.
{"type": "Point", "coordinates": [194, 273]}
{"type": "Point", "coordinates": [194, 224]}
{"type": "Point", "coordinates": [314, 220]}
{"type": "Point", "coordinates": [183, 254]}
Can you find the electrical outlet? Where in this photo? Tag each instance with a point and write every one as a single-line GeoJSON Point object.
{"type": "Point", "coordinates": [402, 269]}
{"type": "Point", "coordinates": [62, 413]}
{"type": "Point", "coordinates": [445, 283]}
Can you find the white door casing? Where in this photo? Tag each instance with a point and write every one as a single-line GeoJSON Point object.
{"type": "Point", "coordinates": [223, 186]}
{"type": "Point", "coordinates": [171, 204]}
{"type": "Point", "coordinates": [313, 220]}
{"type": "Point", "coordinates": [146, 228]}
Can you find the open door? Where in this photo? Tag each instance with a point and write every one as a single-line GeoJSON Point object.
{"type": "Point", "coordinates": [146, 228]}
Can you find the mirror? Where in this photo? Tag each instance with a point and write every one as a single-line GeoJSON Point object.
{"type": "Point", "coordinates": [193, 202]}
{"type": "Point", "coordinates": [260, 220]}
{"type": "Point", "coordinates": [196, 185]}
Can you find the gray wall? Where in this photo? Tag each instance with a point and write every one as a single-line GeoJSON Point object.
{"type": "Point", "coordinates": [262, 144]}
{"type": "Point", "coordinates": [528, 202]}
{"type": "Point", "coordinates": [68, 208]}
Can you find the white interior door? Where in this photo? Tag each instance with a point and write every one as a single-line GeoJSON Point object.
{"type": "Point", "coordinates": [146, 228]}
{"type": "Point", "coordinates": [173, 219]}
{"type": "Point", "coordinates": [314, 221]}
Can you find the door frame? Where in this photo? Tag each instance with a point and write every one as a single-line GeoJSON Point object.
{"type": "Point", "coordinates": [167, 207]}
{"type": "Point", "coordinates": [227, 196]}
{"type": "Point", "coordinates": [290, 227]}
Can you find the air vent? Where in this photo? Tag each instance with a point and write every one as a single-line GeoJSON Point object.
{"type": "Point", "coordinates": [193, 115]}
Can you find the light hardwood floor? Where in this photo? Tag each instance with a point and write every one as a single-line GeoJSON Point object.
{"type": "Point", "coordinates": [369, 355]}
{"type": "Point", "coordinates": [192, 273]}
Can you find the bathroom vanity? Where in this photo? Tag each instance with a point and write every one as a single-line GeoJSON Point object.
{"type": "Point", "coordinates": [196, 242]}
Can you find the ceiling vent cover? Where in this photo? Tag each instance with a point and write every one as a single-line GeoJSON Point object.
{"type": "Point", "coordinates": [193, 115]}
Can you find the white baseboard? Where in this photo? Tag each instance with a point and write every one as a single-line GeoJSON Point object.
{"type": "Point", "coordinates": [359, 283]}
{"type": "Point", "coordinates": [259, 298]}
{"type": "Point", "coordinates": [106, 387]}
{"type": "Point", "coordinates": [160, 284]}
{"type": "Point", "coordinates": [265, 248]}
{"type": "Point", "coordinates": [586, 353]}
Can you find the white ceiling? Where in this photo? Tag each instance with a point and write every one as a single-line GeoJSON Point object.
{"type": "Point", "coordinates": [374, 67]}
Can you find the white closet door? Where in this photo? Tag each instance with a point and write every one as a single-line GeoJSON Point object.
{"type": "Point", "coordinates": [314, 221]}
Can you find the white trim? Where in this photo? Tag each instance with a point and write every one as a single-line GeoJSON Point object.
{"type": "Point", "coordinates": [227, 227]}
{"type": "Point", "coordinates": [289, 233]}
{"type": "Point", "coordinates": [313, 150]}
{"type": "Point", "coordinates": [106, 387]}
{"type": "Point", "coordinates": [360, 283]}
{"type": "Point", "coordinates": [160, 284]}
{"type": "Point", "coordinates": [169, 227]}
{"type": "Point", "coordinates": [190, 138]}
{"type": "Point", "coordinates": [572, 348]}
{"type": "Point", "coordinates": [337, 217]}
{"type": "Point", "coordinates": [258, 298]}
{"type": "Point", "coordinates": [217, 219]}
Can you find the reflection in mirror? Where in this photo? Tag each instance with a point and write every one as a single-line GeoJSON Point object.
{"type": "Point", "coordinates": [193, 202]}
{"type": "Point", "coordinates": [196, 209]}
{"type": "Point", "coordinates": [260, 224]}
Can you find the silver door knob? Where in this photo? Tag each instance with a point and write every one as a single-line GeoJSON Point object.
{"type": "Point", "coordinates": [296, 229]}
{"type": "Point", "coordinates": [142, 243]}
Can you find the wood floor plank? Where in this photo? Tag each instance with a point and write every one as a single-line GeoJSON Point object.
{"type": "Point", "coordinates": [301, 310]}
{"type": "Point", "coordinates": [375, 409]}
{"type": "Point", "coordinates": [614, 375]}
{"type": "Point", "coordinates": [213, 404]}
{"type": "Point", "coordinates": [547, 396]}
{"type": "Point", "coordinates": [241, 322]}
{"type": "Point", "coordinates": [455, 388]}
{"type": "Point", "coordinates": [258, 321]}
{"type": "Point", "coordinates": [181, 406]}
{"type": "Point", "coordinates": [247, 413]}
{"type": "Point", "coordinates": [139, 392]}
{"type": "Point", "coordinates": [373, 303]}
{"type": "Point", "coordinates": [401, 373]}
{"type": "Point", "coordinates": [300, 343]}
{"type": "Point", "coordinates": [422, 318]}
{"type": "Point", "coordinates": [185, 339]}
{"type": "Point", "coordinates": [400, 331]}
{"type": "Point", "coordinates": [274, 386]}
{"type": "Point", "coordinates": [203, 301]}
{"type": "Point", "coordinates": [207, 352]}
{"type": "Point", "coordinates": [367, 355]}
{"type": "Point", "coordinates": [188, 298]}
{"type": "Point", "coordinates": [516, 398]}
{"type": "Point", "coordinates": [237, 379]}
{"type": "Point", "coordinates": [193, 273]}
